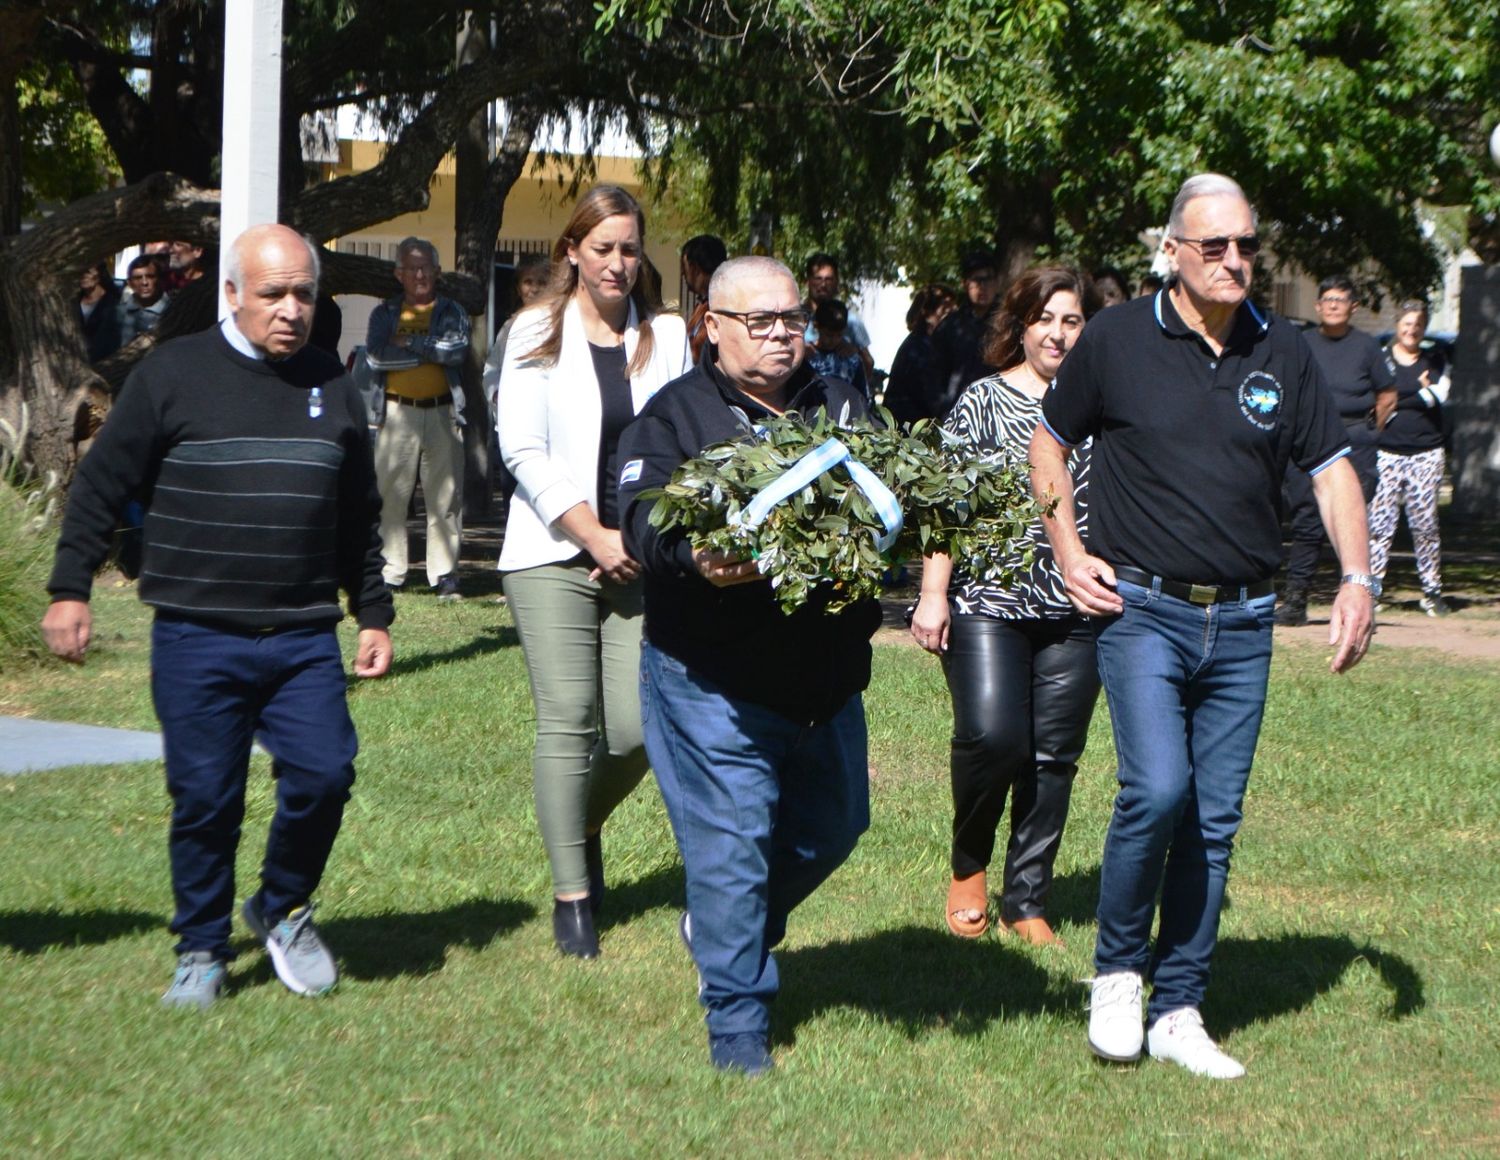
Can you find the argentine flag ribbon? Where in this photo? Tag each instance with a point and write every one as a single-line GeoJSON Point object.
{"type": "Point", "coordinates": [823, 458]}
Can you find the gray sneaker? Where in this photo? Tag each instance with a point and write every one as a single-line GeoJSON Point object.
{"type": "Point", "coordinates": [199, 979]}
{"type": "Point", "coordinates": [301, 958]}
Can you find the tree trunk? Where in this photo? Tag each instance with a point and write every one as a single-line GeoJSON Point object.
{"type": "Point", "coordinates": [475, 255]}
{"type": "Point", "coordinates": [1028, 222]}
{"type": "Point", "coordinates": [41, 357]}
{"type": "Point", "coordinates": [18, 32]}
{"type": "Point", "coordinates": [10, 154]}
{"type": "Point", "coordinates": [472, 151]}
{"type": "Point", "coordinates": [51, 377]}
{"type": "Point", "coordinates": [1474, 406]}
{"type": "Point", "coordinates": [47, 368]}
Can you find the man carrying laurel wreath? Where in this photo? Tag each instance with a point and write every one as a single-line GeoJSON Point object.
{"type": "Point", "coordinates": [753, 718]}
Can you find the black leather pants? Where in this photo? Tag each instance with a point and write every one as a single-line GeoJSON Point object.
{"type": "Point", "coordinates": [1023, 693]}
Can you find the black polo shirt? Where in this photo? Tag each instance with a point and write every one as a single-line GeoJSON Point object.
{"type": "Point", "coordinates": [1354, 368]}
{"type": "Point", "coordinates": [1190, 446]}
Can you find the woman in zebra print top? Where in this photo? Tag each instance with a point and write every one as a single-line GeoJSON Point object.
{"type": "Point", "coordinates": [1019, 661]}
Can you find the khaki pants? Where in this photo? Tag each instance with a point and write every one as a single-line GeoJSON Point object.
{"type": "Point", "coordinates": [582, 642]}
{"type": "Point", "coordinates": [421, 439]}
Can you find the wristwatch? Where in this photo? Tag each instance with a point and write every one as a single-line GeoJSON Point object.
{"type": "Point", "coordinates": [1371, 584]}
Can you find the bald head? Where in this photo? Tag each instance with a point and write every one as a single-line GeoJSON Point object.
{"type": "Point", "coordinates": [257, 236]}
{"type": "Point", "coordinates": [271, 283]}
{"type": "Point", "coordinates": [741, 295]}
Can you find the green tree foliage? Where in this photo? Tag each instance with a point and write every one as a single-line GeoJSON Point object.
{"type": "Point", "coordinates": [63, 151]}
{"type": "Point", "coordinates": [892, 133]}
{"type": "Point", "coordinates": [1064, 128]}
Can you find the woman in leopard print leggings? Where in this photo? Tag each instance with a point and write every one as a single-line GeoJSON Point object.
{"type": "Point", "coordinates": [1411, 456]}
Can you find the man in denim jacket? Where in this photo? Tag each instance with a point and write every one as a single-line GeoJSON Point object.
{"type": "Point", "coordinates": [416, 345]}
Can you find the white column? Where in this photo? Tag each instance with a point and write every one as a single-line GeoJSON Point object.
{"type": "Point", "coordinates": [252, 120]}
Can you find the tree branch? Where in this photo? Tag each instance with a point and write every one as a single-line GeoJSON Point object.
{"type": "Point", "coordinates": [163, 205]}
{"type": "Point", "coordinates": [360, 274]}
{"type": "Point", "coordinates": [399, 184]}
{"type": "Point", "coordinates": [122, 114]}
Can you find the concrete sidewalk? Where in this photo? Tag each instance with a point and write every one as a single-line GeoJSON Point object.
{"type": "Point", "coordinates": [27, 746]}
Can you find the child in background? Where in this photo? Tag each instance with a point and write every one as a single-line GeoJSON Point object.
{"type": "Point", "coordinates": [834, 356]}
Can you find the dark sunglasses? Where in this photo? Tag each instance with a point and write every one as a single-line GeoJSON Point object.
{"type": "Point", "coordinates": [1213, 249]}
{"type": "Point", "coordinates": [760, 323]}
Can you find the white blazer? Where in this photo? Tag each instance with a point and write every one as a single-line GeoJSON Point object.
{"type": "Point", "coordinates": [548, 421]}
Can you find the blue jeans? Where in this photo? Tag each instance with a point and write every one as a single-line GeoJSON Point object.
{"type": "Point", "coordinates": [1186, 685]}
{"type": "Point", "coordinates": [763, 809]}
{"type": "Point", "coordinates": [218, 690]}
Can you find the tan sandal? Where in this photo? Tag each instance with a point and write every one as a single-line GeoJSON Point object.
{"type": "Point", "coordinates": [1036, 931]}
{"type": "Point", "coordinates": [971, 893]}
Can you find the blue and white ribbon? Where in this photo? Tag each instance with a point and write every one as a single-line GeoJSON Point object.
{"type": "Point", "coordinates": [824, 458]}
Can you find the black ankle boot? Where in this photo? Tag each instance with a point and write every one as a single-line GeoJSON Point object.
{"type": "Point", "coordinates": [573, 928]}
{"type": "Point", "coordinates": [593, 855]}
{"type": "Point", "coordinates": [1293, 610]}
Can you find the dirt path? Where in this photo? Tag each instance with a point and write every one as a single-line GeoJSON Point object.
{"type": "Point", "coordinates": [1471, 630]}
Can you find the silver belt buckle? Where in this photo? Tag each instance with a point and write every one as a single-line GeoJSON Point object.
{"type": "Point", "coordinates": [1203, 594]}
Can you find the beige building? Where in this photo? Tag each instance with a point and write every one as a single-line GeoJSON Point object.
{"type": "Point", "coordinates": [535, 213]}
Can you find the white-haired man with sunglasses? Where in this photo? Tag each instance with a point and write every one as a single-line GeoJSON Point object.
{"type": "Point", "coordinates": [753, 719]}
{"type": "Point", "coordinates": [1196, 400]}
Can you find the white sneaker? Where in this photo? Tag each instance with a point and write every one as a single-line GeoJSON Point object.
{"type": "Point", "coordinates": [1178, 1037]}
{"type": "Point", "coordinates": [1115, 1017]}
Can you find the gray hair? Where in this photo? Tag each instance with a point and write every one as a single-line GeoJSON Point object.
{"type": "Point", "coordinates": [407, 245]}
{"type": "Point", "coordinates": [232, 268]}
{"type": "Point", "coordinates": [751, 266]}
{"type": "Point", "coordinates": [1205, 185]}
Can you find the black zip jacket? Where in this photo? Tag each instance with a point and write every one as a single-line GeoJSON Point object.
{"type": "Point", "coordinates": [804, 666]}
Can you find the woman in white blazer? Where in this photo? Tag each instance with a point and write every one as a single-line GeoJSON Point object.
{"type": "Point", "coordinates": [578, 368]}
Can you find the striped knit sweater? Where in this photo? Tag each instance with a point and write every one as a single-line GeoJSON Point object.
{"type": "Point", "coordinates": [258, 483]}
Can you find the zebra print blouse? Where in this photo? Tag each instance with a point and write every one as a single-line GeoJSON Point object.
{"type": "Point", "coordinates": [997, 420]}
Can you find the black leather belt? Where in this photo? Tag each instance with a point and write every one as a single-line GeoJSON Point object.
{"type": "Point", "coordinates": [425, 404]}
{"type": "Point", "coordinates": [1197, 593]}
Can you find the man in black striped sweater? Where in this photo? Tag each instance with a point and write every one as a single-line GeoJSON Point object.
{"type": "Point", "coordinates": [252, 452]}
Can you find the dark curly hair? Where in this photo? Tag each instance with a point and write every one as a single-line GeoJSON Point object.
{"type": "Point", "coordinates": [1024, 302]}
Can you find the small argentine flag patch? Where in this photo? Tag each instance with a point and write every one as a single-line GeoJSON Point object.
{"type": "Point", "coordinates": [630, 472]}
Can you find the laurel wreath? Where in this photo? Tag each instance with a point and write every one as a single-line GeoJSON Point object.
{"type": "Point", "coordinates": [820, 543]}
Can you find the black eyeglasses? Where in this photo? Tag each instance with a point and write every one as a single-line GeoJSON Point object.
{"type": "Point", "coordinates": [760, 323]}
{"type": "Point", "coordinates": [1214, 249]}
{"type": "Point", "coordinates": [1336, 300]}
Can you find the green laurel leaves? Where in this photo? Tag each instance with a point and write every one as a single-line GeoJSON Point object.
{"type": "Point", "coordinates": [820, 542]}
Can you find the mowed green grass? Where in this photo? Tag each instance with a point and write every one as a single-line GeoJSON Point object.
{"type": "Point", "coordinates": [1356, 976]}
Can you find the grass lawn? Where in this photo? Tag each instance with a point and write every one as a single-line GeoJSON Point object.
{"type": "Point", "coordinates": [1356, 976]}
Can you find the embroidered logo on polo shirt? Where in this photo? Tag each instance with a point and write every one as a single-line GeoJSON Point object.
{"type": "Point", "coordinates": [1260, 400]}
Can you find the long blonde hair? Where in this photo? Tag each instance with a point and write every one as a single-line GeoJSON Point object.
{"type": "Point", "coordinates": [599, 203]}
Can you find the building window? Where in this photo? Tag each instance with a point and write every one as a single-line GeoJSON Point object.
{"type": "Point", "coordinates": [511, 251]}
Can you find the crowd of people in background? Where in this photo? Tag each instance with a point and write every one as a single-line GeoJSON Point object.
{"type": "Point", "coordinates": [643, 651]}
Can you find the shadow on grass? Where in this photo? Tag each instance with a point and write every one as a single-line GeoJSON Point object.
{"type": "Point", "coordinates": [918, 979]}
{"type": "Point", "coordinates": [30, 932]}
{"type": "Point", "coordinates": [1074, 897]}
{"type": "Point", "coordinates": [665, 887]}
{"type": "Point", "coordinates": [388, 946]}
{"type": "Point", "coordinates": [1262, 978]}
{"type": "Point", "coordinates": [492, 639]}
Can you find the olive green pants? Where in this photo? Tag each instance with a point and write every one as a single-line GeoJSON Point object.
{"type": "Point", "coordinates": [582, 643]}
